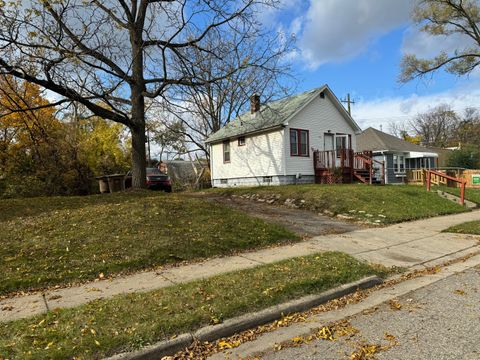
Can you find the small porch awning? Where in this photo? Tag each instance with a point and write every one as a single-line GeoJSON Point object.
{"type": "Point", "coordinates": [417, 155]}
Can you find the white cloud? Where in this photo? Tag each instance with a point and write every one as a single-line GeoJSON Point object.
{"type": "Point", "coordinates": [425, 45]}
{"type": "Point", "coordinates": [381, 112]}
{"type": "Point", "coordinates": [337, 30]}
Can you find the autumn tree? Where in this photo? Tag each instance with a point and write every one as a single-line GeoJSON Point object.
{"type": "Point", "coordinates": [112, 55]}
{"type": "Point", "coordinates": [440, 19]}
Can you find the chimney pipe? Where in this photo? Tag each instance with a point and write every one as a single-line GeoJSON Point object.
{"type": "Point", "coordinates": [254, 103]}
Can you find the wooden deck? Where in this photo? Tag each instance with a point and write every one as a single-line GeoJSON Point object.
{"type": "Point", "coordinates": [345, 166]}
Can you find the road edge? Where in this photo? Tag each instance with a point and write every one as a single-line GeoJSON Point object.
{"type": "Point", "coordinates": [245, 322]}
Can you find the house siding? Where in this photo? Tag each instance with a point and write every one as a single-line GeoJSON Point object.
{"type": "Point", "coordinates": [392, 178]}
{"type": "Point", "coordinates": [261, 156]}
{"type": "Point", "coordinates": [319, 116]}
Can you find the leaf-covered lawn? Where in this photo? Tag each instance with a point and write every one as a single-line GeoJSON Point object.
{"type": "Point", "coordinates": [127, 322]}
{"type": "Point", "coordinates": [373, 204]}
{"type": "Point", "coordinates": [50, 241]}
{"type": "Point", "coordinates": [471, 227]}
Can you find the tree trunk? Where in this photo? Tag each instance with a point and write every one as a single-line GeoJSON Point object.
{"type": "Point", "coordinates": [138, 156]}
{"type": "Point", "coordinates": [137, 98]}
{"type": "Point", "coordinates": [139, 162]}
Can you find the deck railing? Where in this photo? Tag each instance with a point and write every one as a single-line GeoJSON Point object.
{"type": "Point", "coordinates": [349, 163]}
{"type": "Point", "coordinates": [436, 177]}
{"type": "Point", "coordinates": [332, 159]}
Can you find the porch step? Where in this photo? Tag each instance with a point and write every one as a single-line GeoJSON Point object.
{"type": "Point", "coordinates": [365, 177]}
{"type": "Point", "coordinates": [456, 199]}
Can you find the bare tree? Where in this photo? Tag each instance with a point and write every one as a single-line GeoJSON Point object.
{"type": "Point", "coordinates": [436, 127]}
{"type": "Point", "coordinates": [196, 113]}
{"type": "Point", "coordinates": [398, 129]}
{"type": "Point", "coordinates": [444, 18]}
{"type": "Point", "coordinates": [468, 128]}
{"type": "Point", "coordinates": [111, 55]}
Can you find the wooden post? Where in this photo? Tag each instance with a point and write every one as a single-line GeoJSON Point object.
{"type": "Point", "coordinates": [462, 193]}
{"type": "Point", "coordinates": [428, 181]}
{"type": "Point", "coordinates": [383, 172]}
{"type": "Point", "coordinates": [371, 171]}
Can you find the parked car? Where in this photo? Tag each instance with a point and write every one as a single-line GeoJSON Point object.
{"type": "Point", "coordinates": [155, 180]}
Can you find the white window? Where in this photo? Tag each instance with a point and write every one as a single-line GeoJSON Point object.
{"type": "Point", "coordinates": [399, 164]}
{"type": "Point", "coordinates": [226, 151]}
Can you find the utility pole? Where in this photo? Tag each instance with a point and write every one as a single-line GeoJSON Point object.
{"type": "Point", "coordinates": [349, 102]}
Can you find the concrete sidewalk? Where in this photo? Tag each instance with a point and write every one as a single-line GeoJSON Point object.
{"type": "Point", "coordinates": [412, 244]}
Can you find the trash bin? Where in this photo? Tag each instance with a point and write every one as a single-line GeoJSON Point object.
{"type": "Point", "coordinates": [116, 182]}
{"type": "Point", "coordinates": [103, 184]}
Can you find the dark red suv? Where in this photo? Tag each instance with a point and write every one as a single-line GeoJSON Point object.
{"type": "Point", "coordinates": [155, 180]}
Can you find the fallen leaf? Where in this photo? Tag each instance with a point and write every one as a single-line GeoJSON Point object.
{"type": "Point", "coordinates": [395, 305]}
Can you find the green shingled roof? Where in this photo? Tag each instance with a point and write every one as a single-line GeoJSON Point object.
{"type": "Point", "coordinates": [271, 115]}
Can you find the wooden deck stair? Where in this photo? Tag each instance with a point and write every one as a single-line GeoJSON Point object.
{"type": "Point", "coordinates": [363, 175]}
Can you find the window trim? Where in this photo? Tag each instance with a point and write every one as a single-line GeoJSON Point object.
{"type": "Point", "coordinates": [224, 145]}
{"type": "Point", "coordinates": [240, 142]}
{"type": "Point", "coordinates": [298, 133]}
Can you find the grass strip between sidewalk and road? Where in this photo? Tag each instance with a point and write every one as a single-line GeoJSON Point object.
{"type": "Point", "coordinates": [61, 240]}
{"type": "Point", "coordinates": [372, 204]}
{"type": "Point", "coordinates": [471, 227]}
{"type": "Point", "coordinates": [127, 322]}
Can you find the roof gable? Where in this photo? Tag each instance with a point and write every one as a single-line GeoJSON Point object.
{"type": "Point", "coordinates": [276, 114]}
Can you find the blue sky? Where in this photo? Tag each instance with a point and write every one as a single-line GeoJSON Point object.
{"type": "Point", "coordinates": [356, 47]}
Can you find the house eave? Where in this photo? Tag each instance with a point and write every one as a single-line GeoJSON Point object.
{"type": "Point", "coordinates": [256, 132]}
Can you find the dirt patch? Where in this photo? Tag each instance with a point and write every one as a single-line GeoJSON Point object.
{"type": "Point", "coordinates": [302, 222]}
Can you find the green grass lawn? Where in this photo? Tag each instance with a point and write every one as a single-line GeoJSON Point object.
{"type": "Point", "coordinates": [470, 194]}
{"type": "Point", "coordinates": [126, 322]}
{"type": "Point", "coordinates": [471, 227]}
{"type": "Point", "coordinates": [374, 204]}
{"type": "Point", "coordinates": [57, 240]}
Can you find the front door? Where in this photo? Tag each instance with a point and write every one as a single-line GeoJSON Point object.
{"type": "Point", "coordinates": [328, 143]}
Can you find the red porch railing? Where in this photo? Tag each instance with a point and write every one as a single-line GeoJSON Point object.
{"type": "Point", "coordinates": [440, 176]}
{"type": "Point", "coordinates": [332, 159]}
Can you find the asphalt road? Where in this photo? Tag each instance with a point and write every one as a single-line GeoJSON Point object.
{"type": "Point", "coordinates": [439, 321]}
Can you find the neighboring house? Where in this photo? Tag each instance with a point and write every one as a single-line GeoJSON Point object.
{"type": "Point", "coordinates": [399, 155]}
{"type": "Point", "coordinates": [273, 143]}
{"type": "Point", "coordinates": [443, 155]}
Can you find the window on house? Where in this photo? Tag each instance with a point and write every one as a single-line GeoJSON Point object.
{"type": "Point", "coordinates": [299, 142]}
{"type": "Point", "coordinates": [226, 151]}
{"type": "Point", "coordinates": [398, 163]}
{"type": "Point", "coordinates": [241, 141]}
{"type": "Point", "coordinates": [267, 179]}
{"type": "Point", "coordinates": [223, 181]}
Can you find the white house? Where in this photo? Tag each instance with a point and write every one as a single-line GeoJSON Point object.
{"type": "Point", "coordinates": [273, 143]}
